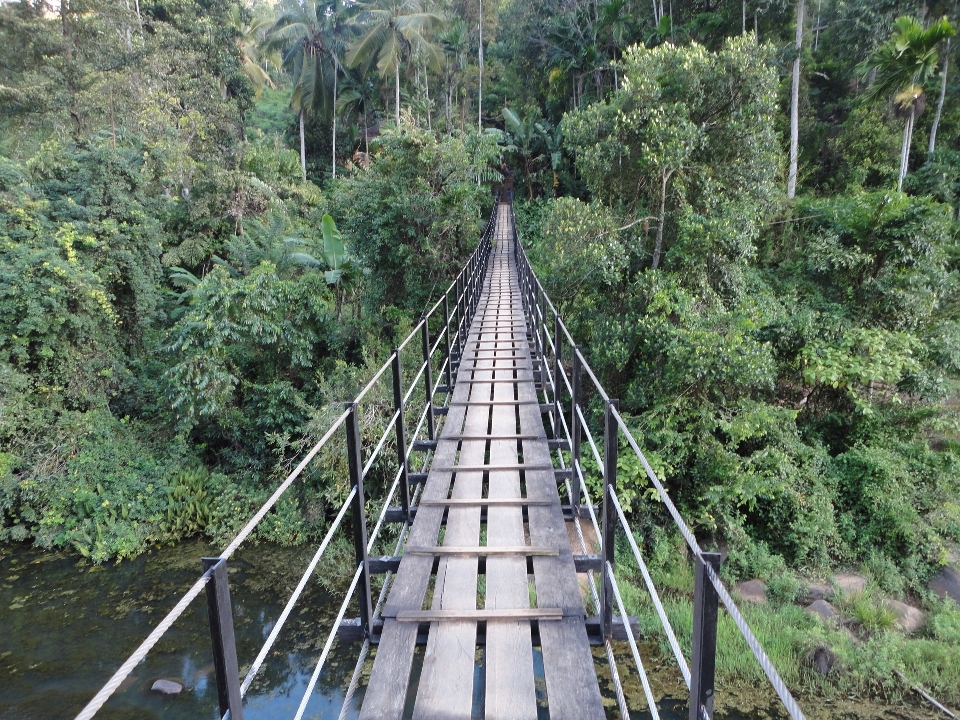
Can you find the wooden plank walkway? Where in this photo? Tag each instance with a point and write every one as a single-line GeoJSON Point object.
{"type": "Point", "coordinates": [494, 421]}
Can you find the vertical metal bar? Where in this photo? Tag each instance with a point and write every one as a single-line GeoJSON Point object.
{"type": "Point", "coordinates": [610, 443]}
{"type": "Point", "coordinates": [224, 642]}
{"type": "Point", "coordinates": [557, 365]}
{"type": "Point", "coordinates": [704, 660]}
{"type": "Point", "coordinates": [446, 343]}
{"type": "Point", "coordinates": [401, 435]}
{"type": "Point", "coordinates": [575, 432]}
{"type": "Point", "coordinates": [355, 461]}
{"type": "Point", "coordinates": [428, 378]}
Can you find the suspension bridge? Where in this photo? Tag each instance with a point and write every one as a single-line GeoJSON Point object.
{"type": "Point", "coordinates": [485, 486]}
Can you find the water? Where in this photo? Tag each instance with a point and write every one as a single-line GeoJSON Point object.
{"type": "Point", "coordinates": [66, 626]}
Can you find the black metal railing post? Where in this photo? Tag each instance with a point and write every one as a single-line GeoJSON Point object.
{"type": "Point", "coordinates": [446, 343]}
{"type": "Point", "coordinates": [704, 659]}
{"type": "Point", "coordinates": [557, 367]}
{"type": "Point", "coordinates": [610, 445]}
{"type": "Point", "coordinates": [401, 435]}
{"type": "Point", "coordinates": [576, 378]}
{"type": "Point", "coordinates": [355, 461]}
{"type": "Point", "coordinates": [224, 643]}
{"type": "Point", "coordinates": [428, 378]}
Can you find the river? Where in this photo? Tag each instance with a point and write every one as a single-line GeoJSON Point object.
{"type": "Point", "coordinates": [66, 625]}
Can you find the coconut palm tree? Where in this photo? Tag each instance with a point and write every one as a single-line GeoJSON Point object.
{"type": "Point", "coordinates": [358, 93]}
{"type": "Point", "coordinates": [313, 35]}
{"type": "Point", "coordinates": [254, 56]}
{"type": "Point", "coordinates": [903, 65]}
{"type": "Point", "coordinates": [394, 31]}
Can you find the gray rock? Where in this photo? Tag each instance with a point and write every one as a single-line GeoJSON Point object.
{"type": "Point", "coordinates": [816, 591]}
{"type": "Point", "coordinates": [908, 618]}
{"type": "Point", "coordinates": [752, 591]}
{"type": "Point", "coordinates": [823, 660]}
{"type": "Point", "coordinates": [167, 687]}
{"type": "Point", "coordinates": [946, 584]}
{"type": "Point", "coordinates": [823, 610]}
{"type": "Point", "coordinates": [850, 584]}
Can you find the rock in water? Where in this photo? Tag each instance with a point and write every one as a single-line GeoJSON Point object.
{"type": "Point", "coordinates": [167, 687]}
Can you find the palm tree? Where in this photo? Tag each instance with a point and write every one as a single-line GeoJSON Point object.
{"type": "Point", "coordinates": [455, 43]}
{"type": "Point", "coordinates": [395, 30]}
{"type": "Point", "coordinates": [356, 96]}
{"type": "Point", "coordinates": [253, 53]}
{"type": "Point", "coordinates": [902, 66]}
{"type": "Point", "coordinates": [313, 35]}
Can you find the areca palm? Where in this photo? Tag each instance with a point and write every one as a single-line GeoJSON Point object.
{"type": "Point", "coordinates": [903, 65]}
{"type": "Point", "coordinates": [395, 30]}
{"type": "Point", "coordinates": [313, 35]}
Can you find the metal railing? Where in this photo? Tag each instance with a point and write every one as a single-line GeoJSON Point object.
{"type": "Point", "coordinates": [555, 350]}
{"type": "Point", "coordinates": [450, 317]}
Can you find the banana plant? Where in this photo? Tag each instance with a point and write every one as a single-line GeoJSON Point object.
{"type": "Point", "coordinates": [343, 273]}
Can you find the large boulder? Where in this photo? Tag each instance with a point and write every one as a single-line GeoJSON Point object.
{"type": "Point", "coordinates": [850, 584]}
{"type": "Point", "coordinates": [752, 591]}
{"type": "Point", "coordinates": [908, 618]}
{"type": "Point", "coordinates": [823, 610]}
{"type": "Point", "coordinates": [816, 591]}
{"type": "Point", "coordinates": [946, 583]}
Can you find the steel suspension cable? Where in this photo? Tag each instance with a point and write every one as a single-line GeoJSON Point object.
{"type": "Point", "coordinates": [261, 656]}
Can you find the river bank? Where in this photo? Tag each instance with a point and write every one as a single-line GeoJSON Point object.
{"type": "Point", "coordinates": [67, 625]}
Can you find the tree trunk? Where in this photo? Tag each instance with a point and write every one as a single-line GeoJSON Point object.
{"type": "Point", "coordinates": [743, 24]}
{"type": "Point", "coordinates": [905, 151]}
{"type": "Point", "coordinates": [397, 80]}
{"type": "Point", "coordinates": [943, 93]}
{"type": "Point", "coordinates": [333, 145]}
{"type": "Point", "coordinates": [480, 75]}
{"type": "Point", "coordinates": [658, 246]}
{"type": "Point", "coordinates": [795, 107]}
{"type": "Point", "coordinates": [303, 149]}
{"type": "Point", "coordinates": [426, 87]}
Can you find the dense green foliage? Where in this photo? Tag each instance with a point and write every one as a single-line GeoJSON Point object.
{"type": "Point", "coordinates": [214, 219]}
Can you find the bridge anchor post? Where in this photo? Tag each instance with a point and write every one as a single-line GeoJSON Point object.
{"type": "Point", "coordinates": [355, 461]}
{"type": "Point", "coordinates": [224, 643]}
{"type": "Point", "coordinates": [704, 660]}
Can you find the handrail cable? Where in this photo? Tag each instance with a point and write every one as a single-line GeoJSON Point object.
{"type": "Point", "coordinates": [261, 656]}
{"type": "Point", "coordinates": [654, 595]}
{"type": "Point", "coordinates": [766, 665]}
{"type": "Point", "coordinates": [651, 703]}
{"type": "Point", "coordinates": [110, 687]}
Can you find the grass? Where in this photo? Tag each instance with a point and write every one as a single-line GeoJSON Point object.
{"type": "Point", "coordinates": [789, 636]}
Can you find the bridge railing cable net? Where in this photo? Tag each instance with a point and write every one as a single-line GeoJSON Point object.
{"type": "Point", "coordinates": [573, 392]}
{"type": "Point", "coordinates": [431, 351]}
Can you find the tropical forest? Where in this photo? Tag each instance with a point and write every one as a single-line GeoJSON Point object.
{"type": "Point", "coordinates": [219, 217]}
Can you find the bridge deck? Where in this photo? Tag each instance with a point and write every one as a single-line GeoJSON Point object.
{"type": "Point", "coordinates": [494, 422]}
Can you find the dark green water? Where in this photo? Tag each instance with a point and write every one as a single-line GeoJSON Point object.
{"type": "Point", "coordinates": [65, 627]}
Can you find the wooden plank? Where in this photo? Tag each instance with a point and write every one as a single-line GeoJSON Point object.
{"type": "Point", "coordinates": [572, 688]}
{"type": "Point", "coordinates": [387, 689]}
{"type": "Point", "coordinates": [446, 681]}
{"type": "Point", "coordinates": [487, 502]}
{"type": "Point", "coordinates": [510, 692]}
{"type": "Point", "coordinates": [485, 615]}
{"type": "Point", "coordinates": [443, 550]}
